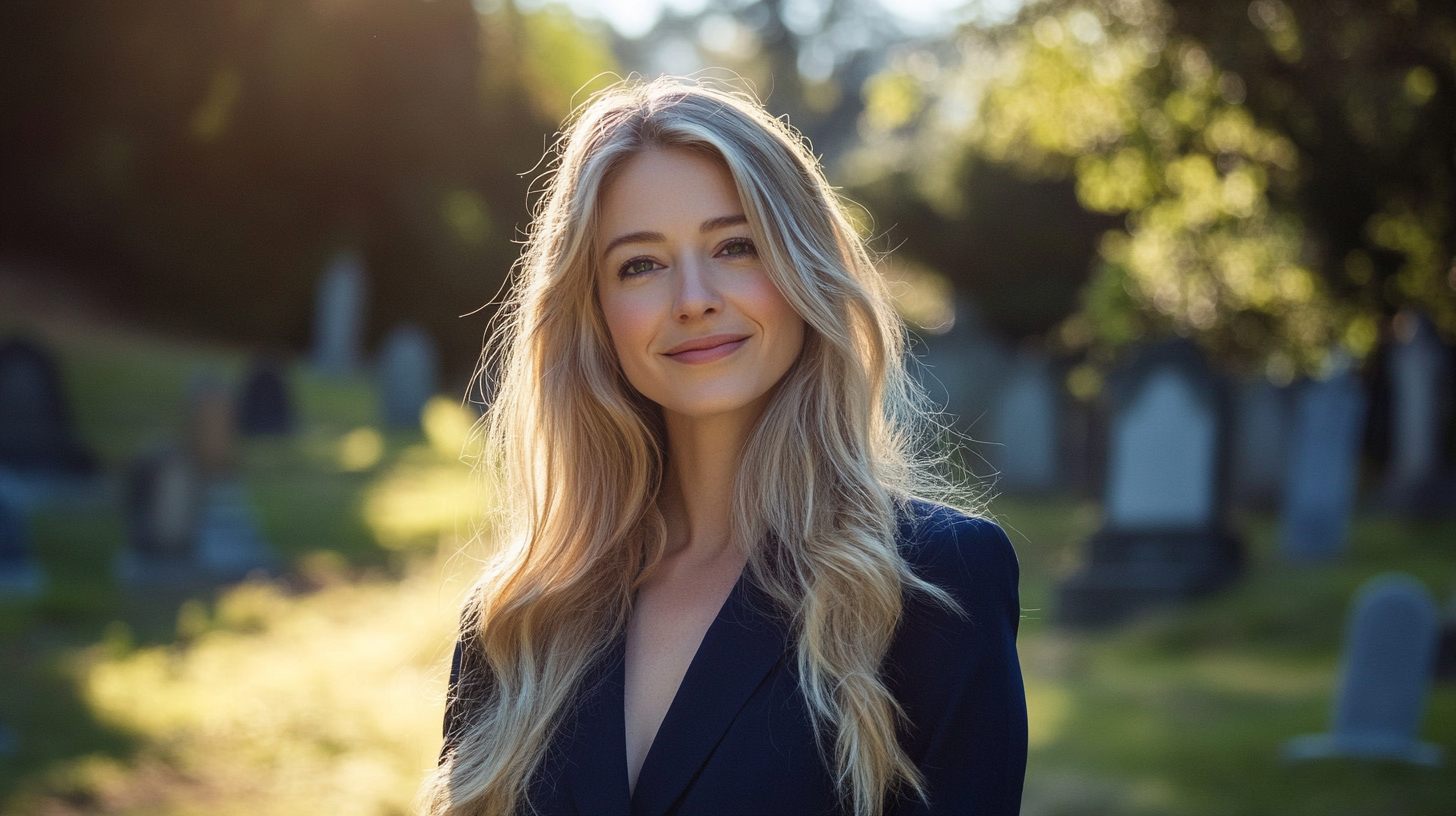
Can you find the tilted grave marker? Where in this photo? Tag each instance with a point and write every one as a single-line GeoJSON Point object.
{"type": "Point", "coordinates": [1385, 677]}
{"type": "Point", "coordinates": [1165, 537]}
{"type": "Point", "coordinates": [213, 433]}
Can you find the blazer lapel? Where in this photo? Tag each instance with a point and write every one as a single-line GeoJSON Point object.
{"type": "Point", "coordinates": [596, 769]}
{"type": "Point", "coordinates": [739, 649]}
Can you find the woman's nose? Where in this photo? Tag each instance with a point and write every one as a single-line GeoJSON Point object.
{"type": "Point", "coordinates": [697, 294]}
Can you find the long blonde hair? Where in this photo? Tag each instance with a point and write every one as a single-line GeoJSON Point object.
{"type": "Point", "coordinates": [578, 460]}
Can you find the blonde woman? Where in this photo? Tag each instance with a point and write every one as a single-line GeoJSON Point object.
{"type": "Point", "coordinates": [716, 592]}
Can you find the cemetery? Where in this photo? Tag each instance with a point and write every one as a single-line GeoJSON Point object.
{"type": "Point", "coordinates": [1177, 283]}
{"type": "Point", "coordinates": [1225, 683]}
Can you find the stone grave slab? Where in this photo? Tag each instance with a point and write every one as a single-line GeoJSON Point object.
{"type": "Point", "coordinates": [1418, 480]}
{"type": "Point", "coordinates": [1319, 490]}
{"type": "Point", "coordinates": [1385, 678]}
{"type": "Point", "coordinates": [163, 499]}
{"type": "Point", "coordinates": [229, 539]}
{"type": "Point", "coordinates": [1165, 538]}
{"type": "Point", "coordinates": [339, 316]}
{"type": "Point", "coordinates": [212, 434]}
{"type": "Point", "coordinates": [1026, 428]}
{"type": "Point", "coordinates": [21, 576]}
{"type": "Point", "coordinates": [407, 375]}
{"type": "Point", "coordinates": [37, 436]}
{"type": "Point", "coordinates": [265, 406]}
{"type": "Point", "coordinates": [1261, 442]}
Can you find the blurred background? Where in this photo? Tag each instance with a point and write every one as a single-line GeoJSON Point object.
{"type": "Point", "coordinates": [1179, 275]}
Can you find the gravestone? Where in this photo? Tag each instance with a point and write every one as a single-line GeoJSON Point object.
{"type": "Point", "coordinates": [163, 499]}
{"type": "Point", "coordinates": [1420, 380]}
{"type": "Point", "coordinates": [212, 435]}
{"type": "Point", "coordinates": [1025, 428]}
{"type": "Point", "coordinates": [229, 541]}
{"type": "Point", "coordinates": [20, 574]}
{"type": "Point", "coordinates": [339, 316]}
{"type": "Point", "coordinates": [264, 407]}
{"type": "Point", "coordinates": [960, 372]}
{"type": "Point", "coordinates": [1385, 677]}
{"type": "Point", "coordinates": [36, 435]}
{"type": "Point", "coordinates": [1319, 489]}
{"type": "Point", "coordinates": [1164, 537]}
{"type": "Point", "coordinates": [408, 375]}
{"type": "Point", "coordinates": [1261, 443]}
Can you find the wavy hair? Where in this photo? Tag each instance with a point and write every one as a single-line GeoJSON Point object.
{"type": "Point", "coordinates": [578, 458]}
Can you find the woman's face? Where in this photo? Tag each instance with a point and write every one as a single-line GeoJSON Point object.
{"type": "Point", "coordinates": [698, 326]}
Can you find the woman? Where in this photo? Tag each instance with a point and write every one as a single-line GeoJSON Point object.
{"type": "Point", "coordinates": [715, 593]}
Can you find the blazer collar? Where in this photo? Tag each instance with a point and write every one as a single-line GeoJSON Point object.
{"type": "Point", "coordinates": [740, 648]}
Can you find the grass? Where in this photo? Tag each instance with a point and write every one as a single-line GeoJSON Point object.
{"type": "Point", "coordinates": [321, 693]}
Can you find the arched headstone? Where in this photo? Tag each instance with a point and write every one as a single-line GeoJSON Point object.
{"type": "Point", "coordinates": [1385, 677]}
{"type": "Point", "coordinates": [264, 406]}
{"type": "Point", "coordinates": [339, 316]}
{"type": "Point", "coordinates": [1164, 537]}
{"type": "Point", "coordinates": [408, 375]}
{"type": "Point", "coordinates": [1025, 428]}
{"type": "Point", "coordinates": [1319, 491]}
{"type": "Point", "coordinates": [36, 435]}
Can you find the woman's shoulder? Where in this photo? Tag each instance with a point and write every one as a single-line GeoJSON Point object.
{"type": "Point", "coordinates": [954, 549]}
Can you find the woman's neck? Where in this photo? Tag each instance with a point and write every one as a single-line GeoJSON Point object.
{"type": "Point", "coordinates": [702, 467]}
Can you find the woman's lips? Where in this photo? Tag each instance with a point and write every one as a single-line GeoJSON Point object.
{"type": "Point", "coordinates": [707, 349]}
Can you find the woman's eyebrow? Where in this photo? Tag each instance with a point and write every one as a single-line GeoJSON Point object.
{"type": "Point", "coordinates": [723, 221]}
{"type": "Point", "coordinates": [656, 237]}
{"type": "Point", "coordinates": [634, 238]}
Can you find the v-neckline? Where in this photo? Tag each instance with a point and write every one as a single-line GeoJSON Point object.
{"type": "Point", "coordinates": [697, 651]}
{"type": "Point", "coordinates": [740, 646]}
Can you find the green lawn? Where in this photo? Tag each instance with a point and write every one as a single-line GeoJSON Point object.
{"type": "Point", "coordinates": [320, 694]}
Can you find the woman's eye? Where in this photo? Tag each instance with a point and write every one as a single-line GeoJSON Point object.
{"type": "Point", "coordinates": [637, 266]}
{"type": "Point", "coordinates": [739, 247]}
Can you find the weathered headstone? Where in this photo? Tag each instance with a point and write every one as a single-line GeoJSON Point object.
{"type": "Point", "coordinates": [408, 375]}
{"type": "Point", "coordinates": [36, 435]}
{"type": "Point", "coordinates": [21, 575]}
{"type": "Point", "coordinates": [1164, 537]}
{"type": "Point", "coordinates": [339, 316]}
{"type": "Point", "coordinates": [1420, 379]}
{"type": "Point", "coordinates": [264, 407]}
{"type": "Point", "coordinates": [1385, 677]}
{"type": "Point", "coordinates": [1319, 489]}
{"type": "Point", "coordinates": [213, 434]}
{"type": "Point", "coordinates": [164, 493]}
{"type": "Point", "coordinates": [229, 541]}
{"type": "Point", "coordinates": [1025, 428]}
{"type": "Point", "coordinates": [1261, 443]}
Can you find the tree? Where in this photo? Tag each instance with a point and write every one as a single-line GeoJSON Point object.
{"type": "Point", "coordinates": [1237, 221]}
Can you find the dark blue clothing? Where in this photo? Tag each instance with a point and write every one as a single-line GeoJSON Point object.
{"type": "Point", "coordinates": [737, 737]}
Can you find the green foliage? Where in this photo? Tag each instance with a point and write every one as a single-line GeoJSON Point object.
{"type": "Point", "coordinates": [1225, 231]}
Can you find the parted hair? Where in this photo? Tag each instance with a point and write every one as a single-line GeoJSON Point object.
{"type": "Point", "coordinates": [577, 458]}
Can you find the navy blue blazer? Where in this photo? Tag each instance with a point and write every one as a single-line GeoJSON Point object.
{"type": "Point", "coordinates": [737, 738]}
